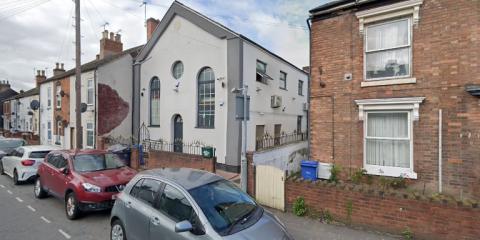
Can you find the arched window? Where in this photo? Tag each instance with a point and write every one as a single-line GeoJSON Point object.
{"type": "Point", "coordinates": [206, 98]}
{"type": "Point", "coordinates": [155, 102]}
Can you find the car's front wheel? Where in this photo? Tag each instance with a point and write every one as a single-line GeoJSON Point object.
{"type": "Point", "coordinates": [38, 189]}
{"type": "Point", "coordinates": [118, 231]}
{"type": "Point", "coordinates": [72, 208]}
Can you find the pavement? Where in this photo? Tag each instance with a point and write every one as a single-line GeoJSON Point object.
{"type": "Point", "coordinates": [22, 216]}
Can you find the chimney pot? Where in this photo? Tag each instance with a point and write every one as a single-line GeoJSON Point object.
{"type": "Point", "coordinates": [118, 38]}
{"type": "Point", "coordinates": [43, 73]}
{"type": "Point", "coordinates": [105, 34]}
{"type": "Point", "coordinates": [38, 72]}
{"type": "Point", "coordinates": [56, 65]}
{"type": "Point", "coordinates": [61, 66]}
{"type": "Point", "coordinates": [112, 34]}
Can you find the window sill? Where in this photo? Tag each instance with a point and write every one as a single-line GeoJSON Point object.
{"type": "Point", "coordinates": [153, 126]}
{"type": "Point", "coordinates": [284, 89]}
{"type": "Point", "coordinates": [204, 127]}
{"type": "Point", "coordinates": [387, 82]}
{"type": "Point", "coordinates": [390, 171]}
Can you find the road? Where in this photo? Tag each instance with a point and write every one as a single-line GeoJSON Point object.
{"type": "Point", "coordinates": [22, 216]}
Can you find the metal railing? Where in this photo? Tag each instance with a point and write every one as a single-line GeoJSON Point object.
{"type": "Point", "coordinates": [195, 148]}
{"type": "Point", "coordinates": [272, 142]}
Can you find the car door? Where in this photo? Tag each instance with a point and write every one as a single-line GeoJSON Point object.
{"type": "Point", "coordinates": [173, 207]}
{"type": "Point", "coordinates": [11, 160]}
{"type": "Point", "coordinates": [46, 175]}
{"type": "Point", "coordinates": [59, 179]}
{"type": "Point", "coordinates": [139, 207]}
{"type": "Point", "coordinates": [6, 161]}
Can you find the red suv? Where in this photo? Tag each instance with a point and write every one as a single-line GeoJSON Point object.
{"type": "Point", "coordinates": [87, 180]}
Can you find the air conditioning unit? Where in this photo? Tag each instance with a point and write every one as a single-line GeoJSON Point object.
{"type": "Point", "coordinates": [276, 101]}
{"type": "Point", "coordinates": [305, 107]}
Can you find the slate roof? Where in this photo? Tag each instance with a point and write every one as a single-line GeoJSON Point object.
{"type": "Point", "coordinates": [28, 93]}
{"type": "Point", "coordinates": [7, 94]}
{"type": "Point", "coordinates": [96, 63]}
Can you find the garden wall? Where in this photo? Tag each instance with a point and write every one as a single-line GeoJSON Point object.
{"type": "Point", "coordinates": [160, 159]}
{"type": "Point", "coordinates": [425, 217]}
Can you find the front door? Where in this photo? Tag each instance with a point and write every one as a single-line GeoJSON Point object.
{"type": "Point", "coordinates": [276, 133]}
{"type": "Point", "coordinates": [72, 138]}
{"type": "Point", "coordinates": [178, 134]}
{"type": "Point", "coordinates": [259, 136]}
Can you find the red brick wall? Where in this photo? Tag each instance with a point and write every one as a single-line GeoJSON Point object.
{"type": "Point", "coordinates": [425, 219]}
{"type": "Point", "coordinates": [250, 175]}
{"type": "Point", "coordinates": [446, 46]}
{"type": "Point", "coordinates": [159, 159]}
{"type": "Point", "coordinates": [112, 109]}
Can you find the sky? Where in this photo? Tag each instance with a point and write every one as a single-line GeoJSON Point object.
{"type": "Point", "coordinates": [35, 34]}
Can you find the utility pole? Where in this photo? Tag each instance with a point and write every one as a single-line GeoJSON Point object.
{"type": "Point", "coordinates": [243, 161]}
{"type": "Point", "coordinates": [78, 74]}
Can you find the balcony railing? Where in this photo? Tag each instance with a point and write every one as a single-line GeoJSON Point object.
{"type": "Point", "coordinates": [195, 148]}
{"type": "Point", "coordinates": [272, 142]}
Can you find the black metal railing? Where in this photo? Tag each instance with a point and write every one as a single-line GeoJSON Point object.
{"type": "Point", "coordinates": [267, 142]}
{"type": "Point", "coordinates": [195, 148]}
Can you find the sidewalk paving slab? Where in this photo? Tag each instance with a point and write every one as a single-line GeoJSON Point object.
{"type": "Point", "coordinates": [304, 228]}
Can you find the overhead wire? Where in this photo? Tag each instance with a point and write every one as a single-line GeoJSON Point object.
{"type": "Point", "coordinates": [22, 8]}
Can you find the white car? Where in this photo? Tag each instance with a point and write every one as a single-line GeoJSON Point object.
{"type": "Point", "coordinates": [22, 163]}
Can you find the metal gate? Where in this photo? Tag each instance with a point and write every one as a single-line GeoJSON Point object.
{"type": "Point", "coordinates": [270, 186]}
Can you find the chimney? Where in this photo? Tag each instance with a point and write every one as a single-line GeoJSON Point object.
{"type": "Point", "coordinates": [110, 44]}
{"type": "Point", "coordinates": [151, 25]}
{"type": "Point", "coordinates": [306, 69]}
{"type": "Point", "coordinates": [4, 85]}
{"type": "Point", "coordinates": [40, 77]}
{"type": "Point", "coordinates": [58, 69]}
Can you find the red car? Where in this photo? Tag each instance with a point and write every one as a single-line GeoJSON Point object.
{"type": "Point", "coordinates": [87, 180]}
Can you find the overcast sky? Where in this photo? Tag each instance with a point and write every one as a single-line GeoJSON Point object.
{"type": "Point", "coordinates": [34, 34]}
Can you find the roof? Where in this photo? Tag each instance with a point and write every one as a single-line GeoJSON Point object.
{"type": "Point", "coordinates": [28, 93]}
{"type": "Point", "coordinates": [188, 178]}
{"type": "Point", "coordinates": [41, 148]}
{"type": "Point", "coordinates": [203, 22]}
{"type": "Point", "coordinates": [336, 6]}
{"type": "Point", "coordinates": [7, 94]}
{"type": "Point", "coordinates": [96, 63]}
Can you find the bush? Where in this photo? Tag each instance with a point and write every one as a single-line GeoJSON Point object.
{"type": "Point", "coordinates": [334, 173]}
{"type": "Point", "coordinates": [299, 207]}
{"type": "Point", "coordinates": [358, 175]}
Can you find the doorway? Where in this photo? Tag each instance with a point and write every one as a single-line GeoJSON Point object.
{"type": "Point", "coordinates": [177, 133]}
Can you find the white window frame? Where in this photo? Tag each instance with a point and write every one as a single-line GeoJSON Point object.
{"type": "Point", "coordinates": [90, 90]}
{"type": "Point", "coordinates": [59, 128]}
{"type": "Point", "coordinates": [388, 170]}
{"type": "Point", "coordinates": [87, 129]}
{"type": "Point", "coordinates": [408, 104]}
{"type": "Point", "coordinates": [49, 97]}
{"type": "Point", "coordinates": [49, 131]}
{"type": "Point", "coordinates": [59, 98]}
{"type": "Point", "coordinates": [282, 82]}
{"type": "Point", "coordinates": [409, 45]}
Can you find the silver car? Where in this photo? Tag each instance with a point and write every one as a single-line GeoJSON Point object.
{"type": "Point", "coordinates": [182, 203]}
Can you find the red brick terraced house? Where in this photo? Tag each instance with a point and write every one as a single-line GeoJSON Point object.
{"type": "Point", "coordinates": [395, 90]}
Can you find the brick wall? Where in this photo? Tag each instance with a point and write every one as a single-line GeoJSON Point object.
{"type": "Point", "coordinates": [426, 219]}
{"type": "Point", "coordinates": [250, 175]}
{"type": "Point", "coordinates": [159, 159]}
{"type": "Point", "coordinates": [445, 59]}
{"type": "Point", "coordinates": [62, 113]}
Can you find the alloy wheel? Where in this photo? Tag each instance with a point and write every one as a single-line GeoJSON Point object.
{"type": "Point", "coordinates": [117, 232]}
{"type": "Point", "coordinates": [70, 206]}
{"type": "Point", "coordinates": [37, 188]}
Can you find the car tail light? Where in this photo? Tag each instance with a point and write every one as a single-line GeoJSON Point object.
{"type": "Point", "coordinates": [28, 162]}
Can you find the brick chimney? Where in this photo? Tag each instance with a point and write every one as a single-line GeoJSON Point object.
{"type": "Point", "coordinates": [110, 44]}
{"type": "Point", "coordinates": [151, 25]}
{"type": "Point", "coordinates": [58, 69]}
{"type": "Point", "coordinates": [40, 77]}
{"type": "Point", "coordinates": [4, 85]}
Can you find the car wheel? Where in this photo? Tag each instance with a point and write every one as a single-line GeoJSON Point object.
{"type": "Point", "coordinates": [38, 189]}
{"type": "Point", "coordinates": [15, 177]}
{"type": "Point", "coordinates": [2, 172]}
{"type": "Point", "coordinates": [118, 231]}
{"type": "Point", "coordinates": [72, 208]}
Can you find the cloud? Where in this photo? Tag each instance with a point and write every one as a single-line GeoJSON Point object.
{"type": "Point", "coordinates": [43, 35]}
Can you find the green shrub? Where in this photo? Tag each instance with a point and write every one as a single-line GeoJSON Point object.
{"type": "Point", "coordinates": [334, 173]}
{"type": "Point", "coordinates": [407, 234]}
{"type": "Point", "coordinates": [326, 217]}
{"type": "Point", "coordinates": [358, 175]}
{"type": "Point", "coordinates": [299, 207]}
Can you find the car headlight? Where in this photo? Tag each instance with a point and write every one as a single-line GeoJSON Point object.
{"type": "Point", "coordinates": [91, 188]}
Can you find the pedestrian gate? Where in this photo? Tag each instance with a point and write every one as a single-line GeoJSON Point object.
{"type": "Point", "coordinates": [270, 186]}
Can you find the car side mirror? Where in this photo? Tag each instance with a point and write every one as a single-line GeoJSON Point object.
{"type": "Point", "coordinates": [65, 171]}
{"type": "Point", "coordinates": [183, 226]}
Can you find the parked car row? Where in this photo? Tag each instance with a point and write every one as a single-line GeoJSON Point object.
{"type": "Point", "coordinates": [172, 203]}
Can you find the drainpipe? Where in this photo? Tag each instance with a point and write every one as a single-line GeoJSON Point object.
{"type": "Point", "coordinates": [309, 86]}
{"type": "Point", "coordinates": [440, 150]}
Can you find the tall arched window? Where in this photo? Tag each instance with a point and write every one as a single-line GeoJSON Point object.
{"type": "Point", "coordinates": [155, 102]}
{"type": "Point", "coordinates": [206, 98]}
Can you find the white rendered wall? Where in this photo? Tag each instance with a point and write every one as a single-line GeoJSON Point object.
{"type": "Point", "coordinates": [46, 113]}
{"type": "Point", "coordinates": [196, 48]}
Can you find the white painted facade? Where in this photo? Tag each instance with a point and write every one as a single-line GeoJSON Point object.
{"type": "Point", "coordinates": [183, 40]}
{"type": "Point", "coordinates": [27, 119]}
{"type": "Point", "coordinates": [46, 113]}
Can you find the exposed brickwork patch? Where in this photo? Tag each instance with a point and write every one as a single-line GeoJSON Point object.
{"type": "Point", "coordinates": [112, 109]}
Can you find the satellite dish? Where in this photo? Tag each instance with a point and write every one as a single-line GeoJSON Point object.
{"type": "Point", "coordinates": [62, 93]}
{"type": "Point", "coordinates": [83, 107]}
{"type": "Point", "coordinates": [34, 105]}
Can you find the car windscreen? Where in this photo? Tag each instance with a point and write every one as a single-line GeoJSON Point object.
{"type": "Point", "coordinates": [224, 204]}
{"type": "Point", "coordinates": [38, 154]}
{"type": "Point", "coordinates": [8, 144]}
{"type": "Point", "coordinates": [96, 162]}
